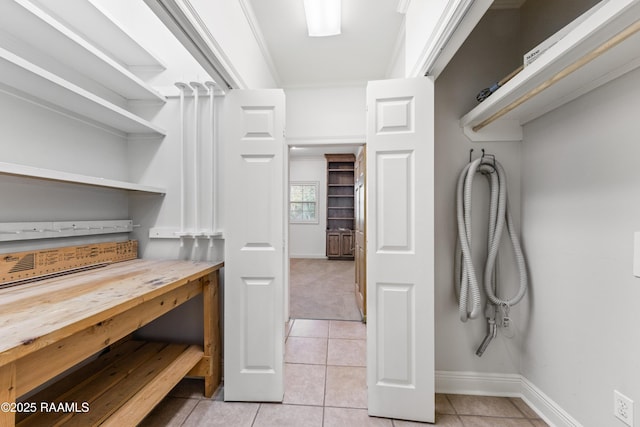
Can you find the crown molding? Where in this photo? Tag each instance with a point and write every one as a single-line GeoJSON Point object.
{"type": "Point", "coordinates": [188, 27]}
{"type": "Point", "coordinates": [247, 10]}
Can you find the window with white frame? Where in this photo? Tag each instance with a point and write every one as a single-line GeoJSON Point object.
{"type": "Point", "coordinates": [303, 202]}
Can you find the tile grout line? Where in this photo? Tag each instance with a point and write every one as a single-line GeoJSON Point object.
{"type": "Point", "coordinates": [190, 412]}
{"type": "Point", "coordinates": [518, 409]}
{"type": "Point", "coordinates": [455, 411]}
{"type": "Point", "coordinates": [255, 417]}
{"type": "Point", "coordinates": [326, 374]}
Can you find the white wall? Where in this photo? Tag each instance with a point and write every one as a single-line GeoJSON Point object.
{"type": "Point", "coordinates": [476, 65]}
{"type": "Point", "coordinates": [309, 240]}
{"type": "Point", "coordinates": [580, 210]}
{"type": "Point", "coordinates": [333, 115]}
{"type": "Point", "coordinates": [325, 118]}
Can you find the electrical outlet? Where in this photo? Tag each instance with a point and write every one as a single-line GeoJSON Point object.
{"type": "Point", "coordinates": [623, 408]}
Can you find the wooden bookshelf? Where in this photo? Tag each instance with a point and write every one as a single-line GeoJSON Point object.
{"type": "Point", "coordinates": [340, 205]}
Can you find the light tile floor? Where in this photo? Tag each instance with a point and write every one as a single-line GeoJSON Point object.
{"type": "Point", "coordinates": [325, 386]}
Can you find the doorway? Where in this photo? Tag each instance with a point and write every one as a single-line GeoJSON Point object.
{"type": "Point", "coordinates": [325, 347]}
{"type": "Point", "coordinates": [321, 288]}
{"type": "Point", "coordinates": [400, 373]}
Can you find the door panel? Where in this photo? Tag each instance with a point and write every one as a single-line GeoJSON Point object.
{"type": "Point", "coordinates": [333, 244]}
{"type": "Point", "coordinates": [400, 271]}
{"type": "Point", "coordinates": [254, 245]}
{"type": "Point", "coordinates": [360, 243]}
{"type": "Point", "coordinates": [347, 244]}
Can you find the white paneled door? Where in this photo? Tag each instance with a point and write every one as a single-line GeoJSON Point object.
{"type": "Point", "coordinates": [254, 245]}
{"type": "Point", "coordinates": [400, 249]}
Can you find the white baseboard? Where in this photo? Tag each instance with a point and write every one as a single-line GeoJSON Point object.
{"type": "Point", "coordinates": [309, 256]}
{"type": "Point", "coordinates": [549, 410]}
{"type": "Point", "coordinates": [506, 385]}
{"type": "Point", "coordinates": [456, 382]}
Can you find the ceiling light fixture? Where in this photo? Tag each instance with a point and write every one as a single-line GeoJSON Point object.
{"type": "Point", "coordinates": [323, 17]}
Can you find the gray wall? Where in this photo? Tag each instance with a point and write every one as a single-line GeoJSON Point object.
{"type": "Point", "coordinates": [580, 210]}
{"type": "Point", "coordinates": [490, 52]}
{"type": "Point", "coordinates": [542, 18]}
{"type": "Point", "coordinates": [572, 185]}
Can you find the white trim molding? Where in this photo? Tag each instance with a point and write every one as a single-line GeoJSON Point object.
{"type": "Point", "coordinates": [549, 410]}
{"type": "Point", "coordinates": [188, 27]}
{"type": "Point", "coordinates": [478, 383]}
{"type": "Point", "coordinates": [505, 385]}
{"type": "Point", "coordinates": [247, 10]}
{"type": "Point", "coordinates": [456, 22]}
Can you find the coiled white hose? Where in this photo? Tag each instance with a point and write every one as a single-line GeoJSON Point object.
{"type": "Point", "coordinates": [467, 287]}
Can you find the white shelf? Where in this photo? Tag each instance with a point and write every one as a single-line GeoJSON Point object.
{"type": "Point", "coordinates": [25, 21]}
{"type": "Point", "coordinates": [53, 175]}
{"type": "Point", "coordinates": [38, 85]}
{"type": "Point", "coordinates": [97, 26]}
{"type": "Point", "coordinates": [611, 18]}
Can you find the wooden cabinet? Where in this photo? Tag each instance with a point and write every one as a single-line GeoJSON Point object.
{"type": "Point", "coordinates": [340, 244]}
{"type": "Point", "coordinates": [340, 206]}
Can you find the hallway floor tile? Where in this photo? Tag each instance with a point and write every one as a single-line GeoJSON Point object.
{"type": "Point", "coordinates": [325, 386]}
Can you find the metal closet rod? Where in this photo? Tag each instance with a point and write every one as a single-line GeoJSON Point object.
{"type": "Point", "coordinates": [612, 42]}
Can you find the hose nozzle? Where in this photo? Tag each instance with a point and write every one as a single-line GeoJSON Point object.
{"type": "Point", "coordinates": [492, 332]}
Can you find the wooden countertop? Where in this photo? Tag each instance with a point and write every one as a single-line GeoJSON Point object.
{"type": "Point", "coordinates": [35, 315]}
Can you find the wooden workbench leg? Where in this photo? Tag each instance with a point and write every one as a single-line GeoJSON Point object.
{"type": "Point", "coordinates": [211, 333]}
{"type": "Point", "coordinates": [7, 394]}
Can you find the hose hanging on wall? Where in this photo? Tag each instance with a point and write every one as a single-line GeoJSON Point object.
{"type": "Point", "coordinates": [467, 286]}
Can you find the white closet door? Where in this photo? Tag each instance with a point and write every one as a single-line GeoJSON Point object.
{"type": "Point", "coordinates": [400, 249]}
{"type": "Point", "coordinates": [254, 245]}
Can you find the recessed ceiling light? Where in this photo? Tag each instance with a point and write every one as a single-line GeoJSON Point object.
{"type": "Point", "coordinates": [323, 17]}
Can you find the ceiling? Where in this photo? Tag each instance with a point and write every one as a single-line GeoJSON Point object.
{"type": "Point", "coordinates": [363, 51]}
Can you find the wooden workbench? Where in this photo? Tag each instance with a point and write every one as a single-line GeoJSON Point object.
{"type": "Point", "coordinates": [49, 326]}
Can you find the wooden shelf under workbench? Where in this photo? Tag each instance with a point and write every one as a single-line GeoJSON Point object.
{"type": "Point", "coordinates": [50, 326]}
